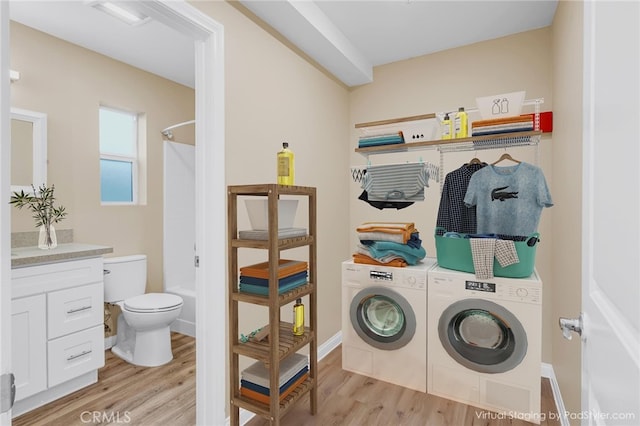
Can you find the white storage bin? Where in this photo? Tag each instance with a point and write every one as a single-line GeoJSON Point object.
{"type": "Point", "coordinates": [259, 213]}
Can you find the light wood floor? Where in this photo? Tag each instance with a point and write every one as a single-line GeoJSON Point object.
{"type": "Point", "coordinates": [127, 394]}
{"type": "Point", "coordinates": [346, 398]}
{"type": "Point", "coordinates": [165, 396]}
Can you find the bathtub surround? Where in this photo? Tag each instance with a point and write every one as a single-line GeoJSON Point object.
{"type": "Point", "coordinates": [179, 232]}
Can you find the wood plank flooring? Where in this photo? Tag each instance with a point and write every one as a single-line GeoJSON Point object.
{"type": "Point", "coordinates": [346, 398]}
{"type": "Point", "coordinates": [165, 396]}
{"type": "Point", "coordinates": [127, 394]}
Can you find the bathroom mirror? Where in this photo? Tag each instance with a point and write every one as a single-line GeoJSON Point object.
{"type": "Point", "coordinates": [28, 149]}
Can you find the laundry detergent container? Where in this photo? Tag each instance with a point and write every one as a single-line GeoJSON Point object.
{"type": "Point", "coordinates": [455, 253]}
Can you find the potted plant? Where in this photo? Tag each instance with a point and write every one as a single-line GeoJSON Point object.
{"type": "Point", "coordinates": [41, 204]}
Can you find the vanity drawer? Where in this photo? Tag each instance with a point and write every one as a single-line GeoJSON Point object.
{"type": "Point", "coordinates": [74, 355]}
{"type": "Point", "coordinates": [74, 309]}
{"type": "Point", "coordinates": [55, 276]}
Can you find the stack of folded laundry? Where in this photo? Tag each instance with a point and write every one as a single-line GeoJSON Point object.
{"type": "Point", "coordinates": [254, 383]}
{"type": "Point", "coordinates": [255, 278]}
{"type": "Point", "coordinates": [389, 244]}
{"type": "Point", "coordinates": [383, 139]}
{"type": "Point", "coordinates": [518, 123]}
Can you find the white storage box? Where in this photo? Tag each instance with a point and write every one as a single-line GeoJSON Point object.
{"type": "Point", "coordinates": [259, 213]}
{"type": "Point", "coordinates": [502, 105]}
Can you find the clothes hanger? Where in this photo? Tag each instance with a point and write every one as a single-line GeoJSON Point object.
{"type": "Point", "coordinates": [474, 160]}
{"type": "Point", "coordinates": [506, 156]}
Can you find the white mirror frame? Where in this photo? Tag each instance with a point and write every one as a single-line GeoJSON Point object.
{"type": "Point", "coordinates": [39, 122]}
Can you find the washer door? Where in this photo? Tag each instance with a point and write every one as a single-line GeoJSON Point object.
{"type": "Point", "coordinates": [382, 318]}
{"type": "Point", "coordinates": [482, 335]}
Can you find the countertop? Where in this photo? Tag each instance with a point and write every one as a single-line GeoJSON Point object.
{"type": "Point", "coordinates": [29, 256]}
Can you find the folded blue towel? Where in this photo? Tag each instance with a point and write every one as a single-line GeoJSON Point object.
{"type": "Point", "coordinates": [264, 291]}
{"type": "Point", "coordinates": [411, 254]}
{"type": "Point", "coordinates": [266, 391]}
{"type": "Point", "coordinates": [282, 281]}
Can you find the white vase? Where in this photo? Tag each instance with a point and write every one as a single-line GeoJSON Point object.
{"type": "Point", "coordinates": [47, 240]}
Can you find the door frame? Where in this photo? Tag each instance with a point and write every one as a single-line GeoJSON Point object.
{"type": "Point", "coordinates": [5, 193]}
{"type": "Point", "coordinates": [208, 36]}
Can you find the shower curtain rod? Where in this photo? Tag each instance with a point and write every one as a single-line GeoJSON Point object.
{"type": "Point", "coordinates": [178, 125]}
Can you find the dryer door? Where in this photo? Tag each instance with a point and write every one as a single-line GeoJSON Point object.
{"type": "Point", "coordinates": [482, 335]}
{"type": "Point", "coordinates": [382, 318]}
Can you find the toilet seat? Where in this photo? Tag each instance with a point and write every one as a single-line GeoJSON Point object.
{"type": "Point", "coordinates": [153, 302]}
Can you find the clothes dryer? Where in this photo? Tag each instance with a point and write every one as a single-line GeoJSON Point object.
{"type": "Point", "coordinates": [384, 322]}
{"type": "Point", "coordinates": [484, 343]}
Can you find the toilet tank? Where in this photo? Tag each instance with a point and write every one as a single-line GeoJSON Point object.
{"type": "Point", "coordinates": [124, 277]}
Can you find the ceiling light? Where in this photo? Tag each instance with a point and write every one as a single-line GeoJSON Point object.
{"type": "Point", "coordinates": [128, 16]}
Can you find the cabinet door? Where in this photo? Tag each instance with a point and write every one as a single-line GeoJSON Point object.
{"type": "Point", "coordinates": [29, 345]}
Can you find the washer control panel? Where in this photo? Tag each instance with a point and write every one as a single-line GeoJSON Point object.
{"type": "Point", "coordinates": [408, 277]}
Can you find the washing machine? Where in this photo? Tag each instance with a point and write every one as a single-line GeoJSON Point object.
{"type": "Point", "coordinates": [384, 322]}
{"type": "Point", "coordinates": [484, 341]}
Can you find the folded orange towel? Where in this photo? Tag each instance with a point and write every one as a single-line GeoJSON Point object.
{"type": "Point", "coordinates": [405, 229]}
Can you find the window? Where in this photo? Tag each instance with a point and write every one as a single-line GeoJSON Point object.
{"type": "Point", "coordinates": [119, 156]}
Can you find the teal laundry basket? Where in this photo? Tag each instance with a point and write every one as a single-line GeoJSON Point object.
{"type": "Point", "coordinates": [455, 253]}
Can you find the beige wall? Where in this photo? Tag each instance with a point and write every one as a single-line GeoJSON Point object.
{"type": "Point", "coordinates": [69, 83]}
{"type": "Point", "coordinates": [443, 82]}
{"type": "Point", "coordinates": [567, 164]}
{"type": "Point", "coordinates": [271, 96]}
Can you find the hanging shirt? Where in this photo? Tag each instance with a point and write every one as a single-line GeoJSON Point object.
{"type": "Point", "coordinates": [453, 214]}
{"type": "Point", "coordinates": [508, 200]}
{"type": "Point", "coordinates": [396, 182]}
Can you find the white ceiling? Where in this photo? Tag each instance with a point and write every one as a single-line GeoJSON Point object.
{"type": "Point", "coordinates": [348, 38]}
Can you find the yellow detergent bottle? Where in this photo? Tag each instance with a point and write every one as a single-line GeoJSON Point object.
{"type": "Point", "coordinates": [298, 318]}
{"type": "Point", "coordinates": [446, 127]}
{"type": "Point", "coordinates": [460, 123]}
{"type": "Point", "coordinates": [285, 165]}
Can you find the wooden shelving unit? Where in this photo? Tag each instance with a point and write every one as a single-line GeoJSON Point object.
{"type": "Point", "coordinates": [281, 342]}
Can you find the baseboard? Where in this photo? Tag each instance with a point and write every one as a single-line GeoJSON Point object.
{"type": "Point", "coordinates": [323, 350]}
{"type": "Point", "coordinates": [109, 342]}
{"type": "Point", "coordinates": [549, 373]}
{"type": "Point", "coordinates": [184, 327]}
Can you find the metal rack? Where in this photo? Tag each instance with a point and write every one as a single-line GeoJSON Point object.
{"type": "Point", "coordinates": [474, 143]}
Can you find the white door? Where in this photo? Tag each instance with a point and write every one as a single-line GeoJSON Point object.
{"type": "Point", "coordinates": [611, 215]}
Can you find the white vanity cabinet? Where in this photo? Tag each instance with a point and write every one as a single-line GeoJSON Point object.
{"type": "Point", "coordinates": [58, 331]}
{"type": "Point", "coordinates": [29, 344]}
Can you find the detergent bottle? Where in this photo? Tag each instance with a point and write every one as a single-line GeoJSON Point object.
{"type": "Point", "coordinates": [446, 127]}
{"type": "Point", "coordinates": [285, 165]}
{"type": "Point", "coordinates": [460, 124]}
{"type": "Point", "coordinates": [298, 318]}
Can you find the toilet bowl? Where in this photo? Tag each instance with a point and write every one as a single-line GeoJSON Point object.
{"type": "Point", "coordinates": [144, 336]}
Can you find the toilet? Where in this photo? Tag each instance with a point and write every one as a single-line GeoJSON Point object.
{"type": "Point", "coordinates": [144, 336]}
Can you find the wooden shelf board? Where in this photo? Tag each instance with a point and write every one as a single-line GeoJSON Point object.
{"type": "Point", "coordinates": [263, 409]}
{"type": "Point", "coordinates": [265, 189]}
{"type": "Point", "coordinates": [396, 120]}
{"type": "Point", "coordinates": [283, 298]}
{"type": "Point", "coordinates": [283, 243]}
{"type": "Point", "coordinates": [288, 344]}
